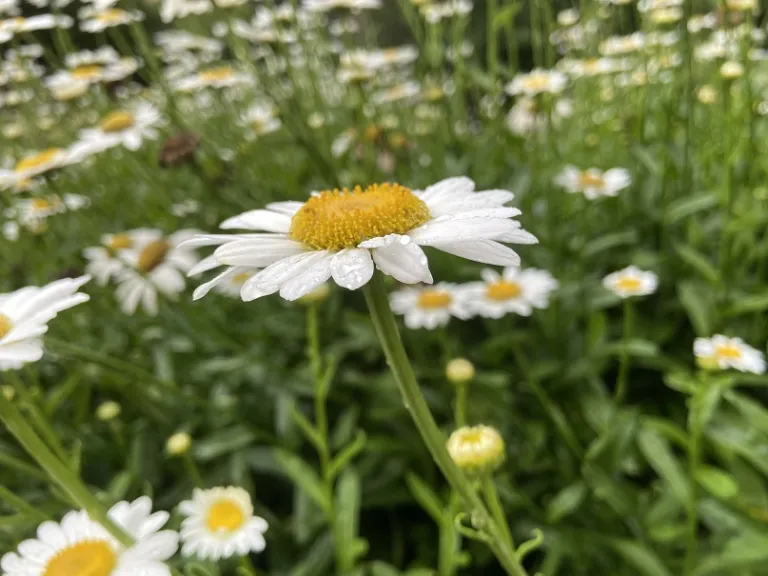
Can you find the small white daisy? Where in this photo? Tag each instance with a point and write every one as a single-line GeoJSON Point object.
{"type": "Point", "coordinates": [260, 119]}
{"type": "Point", "coordinates": [220, 523]}
{"type": "Point", "coordinates": [24, 317]}
{"type": "Point", "coordinates": [434, 12]}
{"type": "Point", "coordinates": [723, 352]}
{"type": "Point", "coordinates": [526, 116]}
{"type": "Point", "coordinates": [537, 82]}
{"type": "Point", "coordinates": [513, 291]}
{"type": "Point", "coordinates": [128, 128]}
{"type": "Point", "coordinates": [631, 281]}
{"type": "Point", "coordinates": [328, 5]}
{"type": "Point", "coordinates": [431, 307]}
{"type": "Point", "coordinates": [78, 546]}
{"type": "Point", "coordinates": [173, 9]}
{"type": "Point", "coordinates": [345, 234]}
{"type": "Point", "coordinates": [95, 21]}
{"type": "Point", "coordinates": [593, 183]}
{"type": "Point", "coordinates": [217, 77]}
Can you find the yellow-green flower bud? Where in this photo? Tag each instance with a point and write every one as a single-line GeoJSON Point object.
{"type": "Point", "coordinates": [108, 411]}
{"type": "Point", "coordinates": [178, 444]}
{"type": "Point", "coordinates": [477, 450]}
{"type": "Point", "coordinates": [459, 371]}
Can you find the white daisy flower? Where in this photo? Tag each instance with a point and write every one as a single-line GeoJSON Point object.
{"type": "Point", "coordinates": [526, 115]}
{"type": "Point", "coordinates": [38, 163]}
{"type": "Point", "coordinates": [513, 291]}
{"type": "Point", "coordinates": [104, 262]}
{"type": "Point", "coordinates": [435, 12]}
{"type": "Point", "coordinates": [220, 523]}
{"type": "Point", "coordinates": [344, 234]}
{"type": "Point", "coordinates": [217, 77]}
{"type": "Point", "coordinates": [328, 5]}
{"type": "Point", "coordinates": [33, 23]}
{"type": "Point", "coordinates": [631, 281]}
{"type": "Point", "coordinates": [593, 183]}
{"type": "Point", "coordinates": [538, 81]}
{"type": "Point", "coordinates": [24, 317]}
{"type": "Point", "coordinates": [95, 21]}
{"type": "Point", "coordinates": [65, 87]}
{"type": "Point", "coordinates": [403, 91]}
{"type": "Point", "coordinates": [172, 9]}
{"type": "Point", "coordinates": [78, 546]}
{"type": "Point", "coordinates": [31, 212]}
{"type": "Point", "coordinates": [124, 127]}
{"type": "Point", "coordinates": [10, 7]}
{"type": "Point", "coordinates": [431, 307]}
{"type": "Point", "coordinates": [723, 352]}
{"type": "Point", "coordinates": [261, 119]}
{"type": "Point", "coordinates": [154, 263]}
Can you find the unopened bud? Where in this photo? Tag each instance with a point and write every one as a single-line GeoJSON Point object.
{"type": "Point", "coordinates": [8, 392]}
{"type": "Point", "coordinates": [731, 70]}
{"type": "Point", "coordinates": [477, 450]}
{"type": "Point", "coordinates": [708, 363]}
{"type": "Point", "coordinates": [178, 444]}
{"type": "Point", "coordinates": [459, 371]}
{"type": "Point", "coordinates": [108, 411]}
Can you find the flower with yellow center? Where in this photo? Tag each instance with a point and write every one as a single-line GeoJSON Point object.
{"type": "Point", "coordinates": [219, 523]}
{"type": "Point", "coordinates": [127, 128]}
{"type": "Point", "coordinates": [430, 307]}
{"type": "Point", "coordinates": [40, 162]}
{"type": "Point", "coordinates": [721, 352]}
{"type": "Point", "coordinates": [593, 183]}
{"type": "Point", "coordinates": [536, 82]}
{"type": "Point", "coordinates": [631, 281]}
{"type": "Point", "coordinates": [81, 547]}
{"type": "Point", "coordinates": [117, 121]}
{"type": "Point", "coordinates": [89, 72]}
{"type": "Point", "coordinates": [215, 77]}
{"type": "Point", "coordinates": [514, 291]}
{"type": "Point", "coordinates": [343, 234]}
{"type": "Point", "coordinates": [477, 450]}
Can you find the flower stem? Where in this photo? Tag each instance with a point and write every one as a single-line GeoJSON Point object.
{"type": "Point", "coordinates": [622, 380]}
{"type": "Point", "coordinates": [496, 508]}
{"type": "Point", "coordinates": [386, 329]}
{"type": "Point", "coordinates": [69, 482]}
{"type": "Point", "coordinates": [460, 409]}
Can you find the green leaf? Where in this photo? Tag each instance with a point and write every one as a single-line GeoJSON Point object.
{"type": "Point", "coordinates": [308, 429]}
{"type": "Point", "coordinates": [642, 558]}
{"type": "Point", "coordinates": [698, 304]}
{"type": "Point", "coordinates": [635, 347]}
{"type": "Point", "coordinates": [348, 520]}
{"type": "Point", "coordinates": [658, 454]}
{"type": "Point", "coordinates": [506, 15]}
{"type": "Point", "coordinates": [753, 412]}
{"type": "Point", "coordinates": [566, 502]}
{"type": "Point", "coordinates": [317, 561]}
{"type": "Point", "coordinates": [223, 442]}
{"type": "Point", "coordinates": [608, 242]}
{"type": "Point", "coordinates": [688, 206]}
{"type": "Point", "coordinates": [383, 569]}
{"type": "Point", "coordinates": [344, 457]}
{"type": "Point", "coordinates": [749, 304]}
{"type": "Point", "coordinates": [741, 551]}
{"type": "Point", "coordinates": [304, 476]}
{"type": "Point", "coordinates": [698, 262]}
{"type": "Point", "coordinates": [703, 405]}
{"type": "Point", "coordinates": [717, 482]}
{"type": "Point", "coordinates": [425, 496]}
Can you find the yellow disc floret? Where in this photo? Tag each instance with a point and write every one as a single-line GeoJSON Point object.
{"type": "Point", "coordinates": [152, 255]}
{"type": "Point", "coordinates": [503, 291]}
{"type": "Point", "coordinates": [476, 449]}
{"type": "Point", "coordinates": [38, 161]}
{"type": "Point", "coordinates": [117, 121]}
{"type": "Point", "coordinates": [338, 219]}
{"type": "Point", "coordinates": [218, 74]}
{"type": "Point", "coordinates": [728, 351]}
{"type": "Point", "coordinates": [434, 299]}
{"type": "Point", "coordinates": [5, 325]}
{"type": "Point", "coordinates": [120, 241]}
{"type": "Point", "coordinates": [590, 180]}
{"type": "Point", "coordinates": [628, 284]}
{"type": "Point", "coordinates": [92, 558]}
{"type": "Point", "coordinates": [88, 72]}
{"type": "Point", "coordinates": [224, 516]}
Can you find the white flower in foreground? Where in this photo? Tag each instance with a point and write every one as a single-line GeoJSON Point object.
{"type": "Point", "coordinates": [536, 82]}
{"type": "Point", "coordinates": [78, 546]}
{"type": "Point", "coordinates": [154, 263]}
{"type": "Point", "coordinates": [594, 183]}
{"type": "Point", "coordinates": [344, 234]}
{"type": "Point", "coordinates": [24, 317]}
{"type": "Point", "coordinates": [723, 352]}
{"type": "Point", "coordinates": [431, 306]}
{"type": "Point", "coordinates": [128, 128]}
{"type": "Point", "coordinates": [513, 291]}
{"type": "Point", "coordinates": [220, 523]}
{"type": "Point", "coordinates": [631, 281]}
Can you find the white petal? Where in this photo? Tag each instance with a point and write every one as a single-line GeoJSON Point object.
{"type": "Point", "coordinates": [452, 231]}
{"type": "Point", "coordinates": [271, 279]}
{"type": "Point", "coordinates": [352, 268]}
{"type": "Point", "coordinates": [257, 252]}
{"type": "Point", "coordinates": [485, 251]}
{"type": "Point", "coordinates": [446, 190]}
{"type": "Point", "coordinates": [258, 220]}
{"type": "Point", "coordinates": [402, 259]}
{"type": "Point", "coordinates": [308, 280]}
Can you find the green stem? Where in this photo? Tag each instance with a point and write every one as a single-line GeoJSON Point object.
{"type": "Point", "coordinates": [386, 329]}
{"type": "Point", "coordinates": [69, 482]}
{"type": "Point", "coordinates": [492, 49]}
{"type": "Point", "coordinates": [694, 456]}
{"type": "Point", "coordinates": [22, 505]}
{"type": "Point", "coordinates": [460, 409]}
{"type": "Point", "coordinates": [623, 377]}
{"type": "Point", "coordinates": [497, 509]}
{"type": "Point", "coordinates": [192, 470]}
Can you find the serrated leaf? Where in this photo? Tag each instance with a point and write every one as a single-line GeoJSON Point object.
{"type": "Point", "coordinates": [303, 476]}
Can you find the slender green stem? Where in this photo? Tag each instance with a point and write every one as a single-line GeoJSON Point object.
{"type": "Point", "coordinates": [624, 363]}
{"type": "Point", "coordinates": [460, 408]}
{"type": "Point", "coordinates": [192, 469]}
{"type": "Point", "coordinates": [69, 482]}
{"type": "Point", "coordinates": [496, 508]}
{"type": "Point", "coordinates": [386, 328]}
{"type": "Point", "coordinates": [694, 457]}
{"type": "Point", "coordinates": [22, 505]}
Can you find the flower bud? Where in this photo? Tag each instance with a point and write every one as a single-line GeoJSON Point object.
{"type": "Point", "coordinates": [8, 392]}
{"type": "Point", "coordinates": [477, 450]}
{"type": "Point", "coordinates": [708, 363]}
{"type": "Point", "coordinates": [731, 70]}
{"type": "Point", "coordinates": [707, 94]}
{"type": "Point", "coordinates": [178, 444]}
{"type": "Point", "coordinates": [108, 411]}
{"type": "Point", "coordinates": [459, 371]}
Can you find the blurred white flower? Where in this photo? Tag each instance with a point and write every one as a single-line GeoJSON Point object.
{"type": "Point", "coordinates": [260, 119]}
{"type": "Point", "coordinates": [434, 12]}
{"type": "Point", "coordinates": [216, 77]}
{"type": "Point", "coordinates": [722, 352]}
{"type": "Point", "coordinates": [328, 5]}
{"type": "Point", "coordinates": [431, 307]}
{"type": "Point", "coordinates": [631, 281]}
{"type": "Point", "coordinates": [515, 291]}
{"type": "Point", "coordinates": [220, 523]}
{"type": "Point", "coordinates": [593, 183]}
{"type": "Point", "coordinates": [126, 128]}
{"type": "Point", "coordinates": [173, 9]}
{"type": "Point", "coordinates": [94, 21]}
{"type": "Point", "coordinates": [526, 116]}
{"type": "Point", "coordinates": [536, 82]}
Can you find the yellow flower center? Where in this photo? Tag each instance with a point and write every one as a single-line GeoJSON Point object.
{"type": "Point", "coordinates": [337, 219]}
{"type": "Point", "coordinates": [152, 255]}
{"type": "Point", "coordinates": [371, 133]}
{"type": "Point", "coordinates": [628, 284]}
{"type": "Point", "coordinates": [89, 72]}
{"type": "Point", "coordinates": [40, 204]}
{"type": "Point", "coordinates": [537, 82]}
{"type": "Point", "coordinates": [94, 558]}
{"type": "Point", "coordinates": [5, 326]}
{"type": "Point", "coordinates": [728, 351]}
{"type": "Point", "coordinates": [589, 180]}
{"type": "Point", "coordinates": [216, 74]}
{"type": "Point", "coordinates": [224, 516]}
{"type": "Point", "coordinates": [117, 121]}
{"type": "Point", "coordinates": [120, 242]}
{"type": "Point", "coordinates": [38, 160]}
{"type": "Point", "coordinates": [503, 290]}
{"type": "Point", "coordinates": [434, 299]}
{"type": "Point", "coordinates": [111, 15]}
{"type": "Point", "coordinates": [241, 278]}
